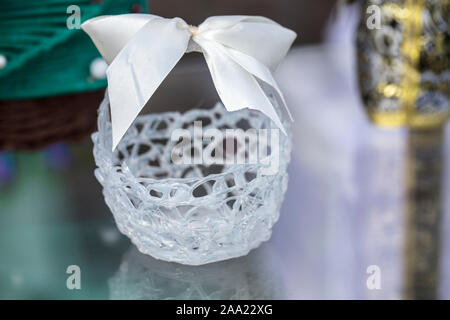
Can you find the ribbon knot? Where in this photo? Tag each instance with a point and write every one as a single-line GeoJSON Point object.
{"type": "Point", "coordinates": [193, 30]}
{"type": "Point", "coordinates": [141, 49]}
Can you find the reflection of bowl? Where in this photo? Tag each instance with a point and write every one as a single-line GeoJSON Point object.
{"type": "Point", "coordinates": [192, 214]}
{"type": "Point", "coordinates": [143, 277]}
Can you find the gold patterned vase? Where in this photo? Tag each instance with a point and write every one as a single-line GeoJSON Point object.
{"type": "Point", "coordinates": [403, 61]}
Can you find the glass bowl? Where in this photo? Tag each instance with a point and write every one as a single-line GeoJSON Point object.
{"type": "Point", "coordinates": [193, 213]}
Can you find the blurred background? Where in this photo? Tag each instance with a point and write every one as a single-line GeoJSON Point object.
{"type": "Point", "coordinates": [351, 203]}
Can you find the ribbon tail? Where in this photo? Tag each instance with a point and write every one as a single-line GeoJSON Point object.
{"type": "Point", "coordinates": [139, 69]}
{"type": "Point", "coordinates": [260, 71]}
{"type": "Point", "coordinates": [237, 88]}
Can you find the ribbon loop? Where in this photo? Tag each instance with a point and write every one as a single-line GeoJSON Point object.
{"type": "Point", "coordinates": [141, 49]}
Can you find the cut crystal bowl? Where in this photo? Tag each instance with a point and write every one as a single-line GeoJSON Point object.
{"type": "Point", "coordinates": [190, 213]}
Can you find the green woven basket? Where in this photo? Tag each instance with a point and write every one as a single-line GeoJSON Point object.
{"type": "Point", "coordinates": [47, 66]}
{"type": "Point", "coordinates": [44, 57]}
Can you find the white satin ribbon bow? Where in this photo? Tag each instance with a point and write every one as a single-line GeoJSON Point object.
{"type": "Point", "coordinates": [141, 49]}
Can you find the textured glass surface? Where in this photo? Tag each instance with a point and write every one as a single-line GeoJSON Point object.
{"type": "Point", "coordinates": [191, 214]}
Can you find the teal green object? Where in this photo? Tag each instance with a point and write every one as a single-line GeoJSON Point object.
{"type": "Point", "coordinates": [45, 57]}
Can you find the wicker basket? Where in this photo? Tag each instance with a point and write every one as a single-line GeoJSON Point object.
{"type": "Point", "coordinates": [35, 123]}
